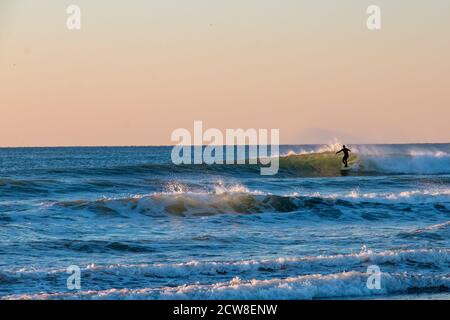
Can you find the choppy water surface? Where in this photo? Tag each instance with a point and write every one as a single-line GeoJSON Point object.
{"type": "Point", "coordinates": [140, 227]}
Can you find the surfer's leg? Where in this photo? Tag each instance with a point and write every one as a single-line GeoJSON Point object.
{"type": "Point", "coordinates": [345, 161]}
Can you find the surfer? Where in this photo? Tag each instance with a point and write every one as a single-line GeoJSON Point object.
{"type": "Point", "coordinates": [345, 150]}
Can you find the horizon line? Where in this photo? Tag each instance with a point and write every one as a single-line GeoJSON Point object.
{"type": "Point", "coordinates": [223, 145]}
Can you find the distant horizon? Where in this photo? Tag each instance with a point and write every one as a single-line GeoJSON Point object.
{"type": "Point", "coordinates": [224, 145]}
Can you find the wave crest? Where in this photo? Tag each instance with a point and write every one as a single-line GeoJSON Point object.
{"type": "Point", "coordinates": [319, 277]}
{"type": "Point", "coordinates": [237, 199]}
{"type": "Point", "coordinates": [327, 164]}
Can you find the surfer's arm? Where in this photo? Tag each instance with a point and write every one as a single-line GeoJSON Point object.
{"type": "Point", "coordinates": [339, 151]}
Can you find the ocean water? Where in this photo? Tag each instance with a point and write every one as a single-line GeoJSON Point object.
{"type": "Point", "coordinates": [139, 227]}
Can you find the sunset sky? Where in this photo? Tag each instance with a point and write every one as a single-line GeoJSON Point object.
{"type": "Point", "coordinates": [137, 70]}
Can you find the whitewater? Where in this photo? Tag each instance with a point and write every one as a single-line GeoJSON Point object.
{"type": "Point", "coordinates": [140, 227]}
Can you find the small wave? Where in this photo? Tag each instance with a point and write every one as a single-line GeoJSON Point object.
{"type": "Point", "coordinates": [439, 231]}
{"type": "Point", "coordinates": [431, 195]}
{"type": "Point", "coordinates": [13, 187]}
{"type": "Point", "coordinates": [100, 246]}
{"type": "Point", "coordinates": [237, 199]}
{"type": "Point", "coordinates": [436, 258]}
{"type": "Point", "coordinates": [317, 286]}
{"type": "Point", "coordinates": [188, 204]}
{"type": "Point", "coordinates": [158, 170]}
{"type": "Point", "coordinates": [432, 259]}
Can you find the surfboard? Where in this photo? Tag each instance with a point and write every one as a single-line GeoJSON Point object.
{"type": "Point", "coordinates": [345, 170]}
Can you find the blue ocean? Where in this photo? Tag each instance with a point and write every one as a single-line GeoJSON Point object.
{"type": "Point", "coordinates": [140, 227]}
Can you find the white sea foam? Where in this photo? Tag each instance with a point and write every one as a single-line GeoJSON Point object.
{"type": "Point", "coordinates": [438, 259]}
{"type": "Point", "coordinates": [345, 284]}
{"type": "Point", "coordinates": [408, 164]}
{"type": "Point", "coordinates": [430, 195]}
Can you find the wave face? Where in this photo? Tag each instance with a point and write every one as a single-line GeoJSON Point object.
{"type": "Point", "coordinates": [239, 200]}
{"type": "Point", "coordinates": [420, 160]}
{"type": "Point", "coordinates": [140, 227]}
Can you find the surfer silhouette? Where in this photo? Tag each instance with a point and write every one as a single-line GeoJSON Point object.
{"type": "Point", "coordinates": [345, 150]}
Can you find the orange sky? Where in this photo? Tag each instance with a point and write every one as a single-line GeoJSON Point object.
{"type": "Point", "coordinates": [137, 70]}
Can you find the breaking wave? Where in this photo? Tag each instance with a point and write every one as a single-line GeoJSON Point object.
{"type": "Point", "coordinates": [236, 199]}
{"type": "Point", "coordinates": [328, 164]}
{"type": "Point", "coordinates": [342, 276]}
{"type": "Point", "coordinates": [368, 159]}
